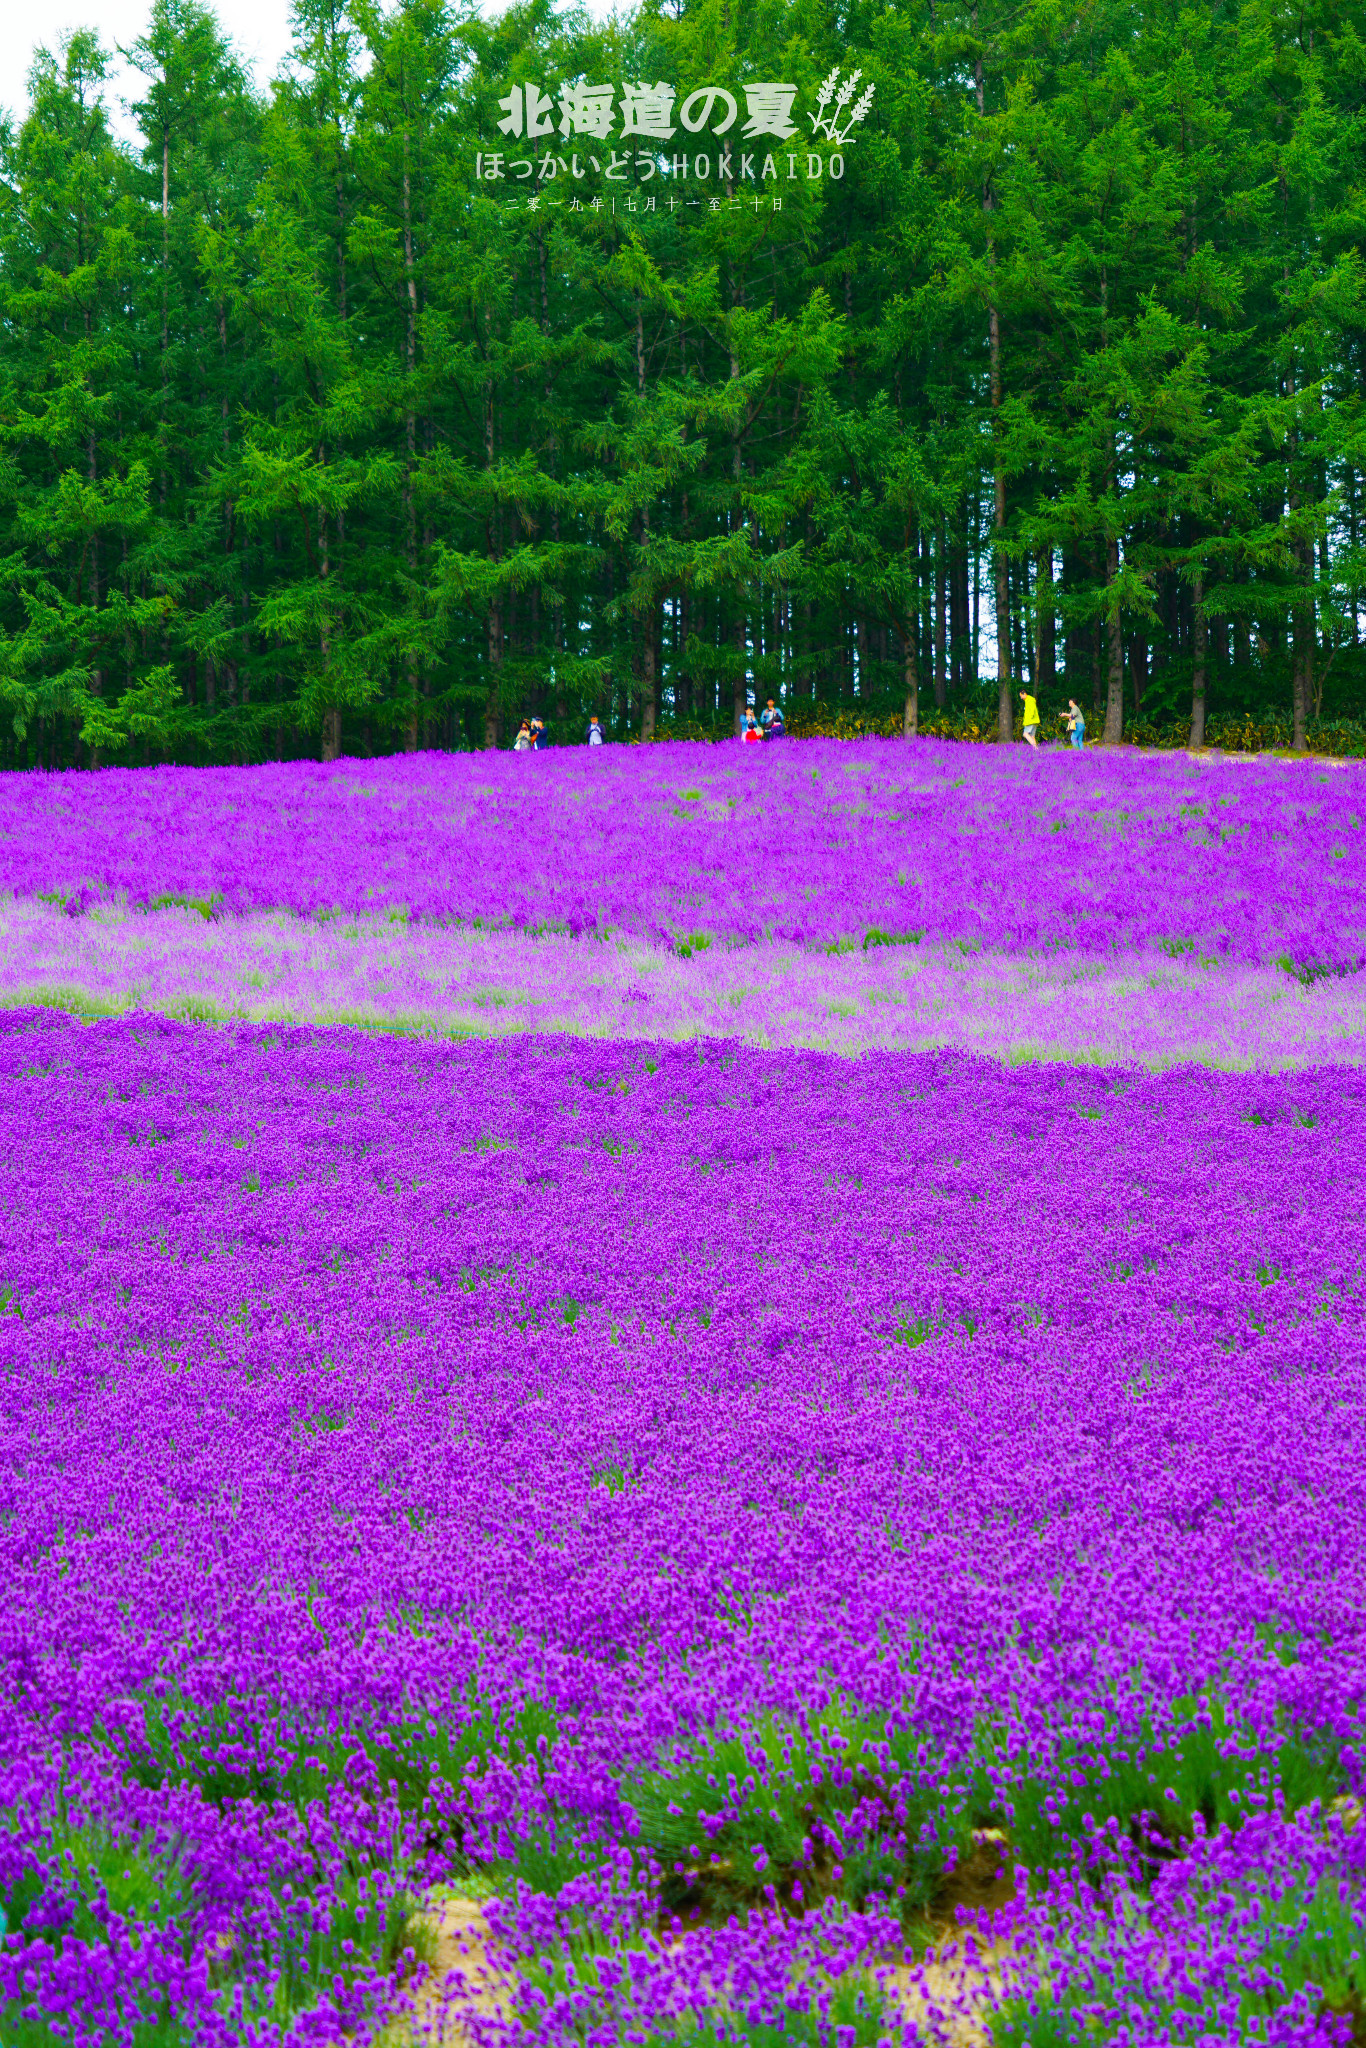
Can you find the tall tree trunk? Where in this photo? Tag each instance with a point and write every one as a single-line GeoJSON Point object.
{"type": "Point", "coordinates": [1303, 632]}
{"type": "Point", "coordinates": [649, 675]}
{"type": "Point", "coordinates": [657, 655]}
{"type": "Point", "coordinates": [741, 694]}
{"type": "Point", "coordinates": [955, 610]}
{"type": "Point", "coordinates": [910, 718]}
{"type": "Point", "coordinates": [1301, 640]}
{"type": "Point", "coordinates": [410, 436]}
{"type": "Point", "coordinates": [229, 510]}
{"type": "Point", "coordinates": [962, 606]}
{"type": "Point", "coordinates": [940, 622]}
{"type": "Point", "coordinates": [969, 662]}
{"type": "Point", "coordinates": [1114, 700]}
{"type": "Point", "coordinates": [1138, 666]}
{"type": "Point", "coordinates": [493, 701]}
{"type": "Point", "coordinates": [1113, 731]}
{"type": "Point", "coordinates": [331, 712]}
{"type": "Point", "coordinates": [1114, 697]}
{"type": "Point", "coordinates": [1354, 624]}
{"type": "Point", "coordinates": [165, 244]}
{"type": "Point", "coordinates": [493, 542]}
{"type": "Point", "coordinates": [737, 522]}
{"type": "Point", "coordinates": [1022, 643]}
{"type": "Point", "coordinates": [683, 702]}
{"type": "Point", "coordinates": [557, 628]}
{"type": "Point", "coordinates": [1073, 639]}
{"type": "Point", "coordinates": [1199, 646]}
{"type": "Point", "coordinates": [1044, 676]}
{"type": "Point", "coordinates": [97, 673]}
{"type": "Point", "coordinates": [1005, 709]}
{"type": "Point", "coordinates": [1218, 645]}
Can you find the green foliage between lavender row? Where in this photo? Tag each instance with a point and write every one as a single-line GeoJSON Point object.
{"type": "Point", "coordinates": [845, 1805]}
{"type": "Point", "coordinates": [848, 1803]}
{"type": "Point", "coordinates": [92, 1880]}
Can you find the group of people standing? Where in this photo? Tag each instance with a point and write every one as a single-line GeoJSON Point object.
{"type": "Point", "coordinates": [532, 735]}
{"type": "Point", "coordinates": [767, 726]}
{"type": "Point", "coordinates": [1074, 718]}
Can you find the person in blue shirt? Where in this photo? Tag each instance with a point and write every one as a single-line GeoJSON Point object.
{"type": "Point", "coordinates": [539, 738]}
{"type": "Point", "coordinates": [596, 735]}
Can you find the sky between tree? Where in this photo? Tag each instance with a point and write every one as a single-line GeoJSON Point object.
{"type": "Point", "coordinates": [259, 29]}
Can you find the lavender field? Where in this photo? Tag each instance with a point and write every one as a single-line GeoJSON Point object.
{"type": "Point", "coordinates": [818, 843]}
{"type": "Point", "coordinates": [720, 1464]}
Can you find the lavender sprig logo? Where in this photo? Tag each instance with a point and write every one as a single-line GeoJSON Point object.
{"type": "Point", "coordinates": [836, 125]}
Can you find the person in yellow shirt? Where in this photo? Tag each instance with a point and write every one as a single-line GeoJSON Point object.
{"type": "Point", "coordinates": [1031, 719]}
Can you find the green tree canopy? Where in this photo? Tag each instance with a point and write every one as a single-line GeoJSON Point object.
{"type": "Point", "coordinates": [1016, 345]}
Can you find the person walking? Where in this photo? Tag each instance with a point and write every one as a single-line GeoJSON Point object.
{"type": "Point", "coordinates": [595, 732]}
{"type": "Point", "coordinates": [1031, 719]}
{"type": "Point", "coordinates": [523, 742]}
{"type": "Point", "coordinates": [1076, 723]}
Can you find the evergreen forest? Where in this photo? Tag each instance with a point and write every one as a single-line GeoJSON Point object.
{"type": "Point", "coordinates": [331, 424]}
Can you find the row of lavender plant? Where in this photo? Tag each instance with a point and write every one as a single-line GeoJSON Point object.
{"type": "Point", "coordinates": [814, 843]}
{"type": "Point", "coordinates": [1160, 1008]}
{"type": "Point", "coordinates": [678, 1491]}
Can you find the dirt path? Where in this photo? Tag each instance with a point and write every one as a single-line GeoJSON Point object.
{"type": "Point", "coordinates": [949, 1996]}
{"type": "Point", "coordinates": [463, 1978]}
{"type": "Point", "coordinates": [1212, 757]}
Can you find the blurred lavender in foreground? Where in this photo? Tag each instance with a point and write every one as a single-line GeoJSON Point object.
{"type": "Point", "coordinates": [1149, 1007]}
